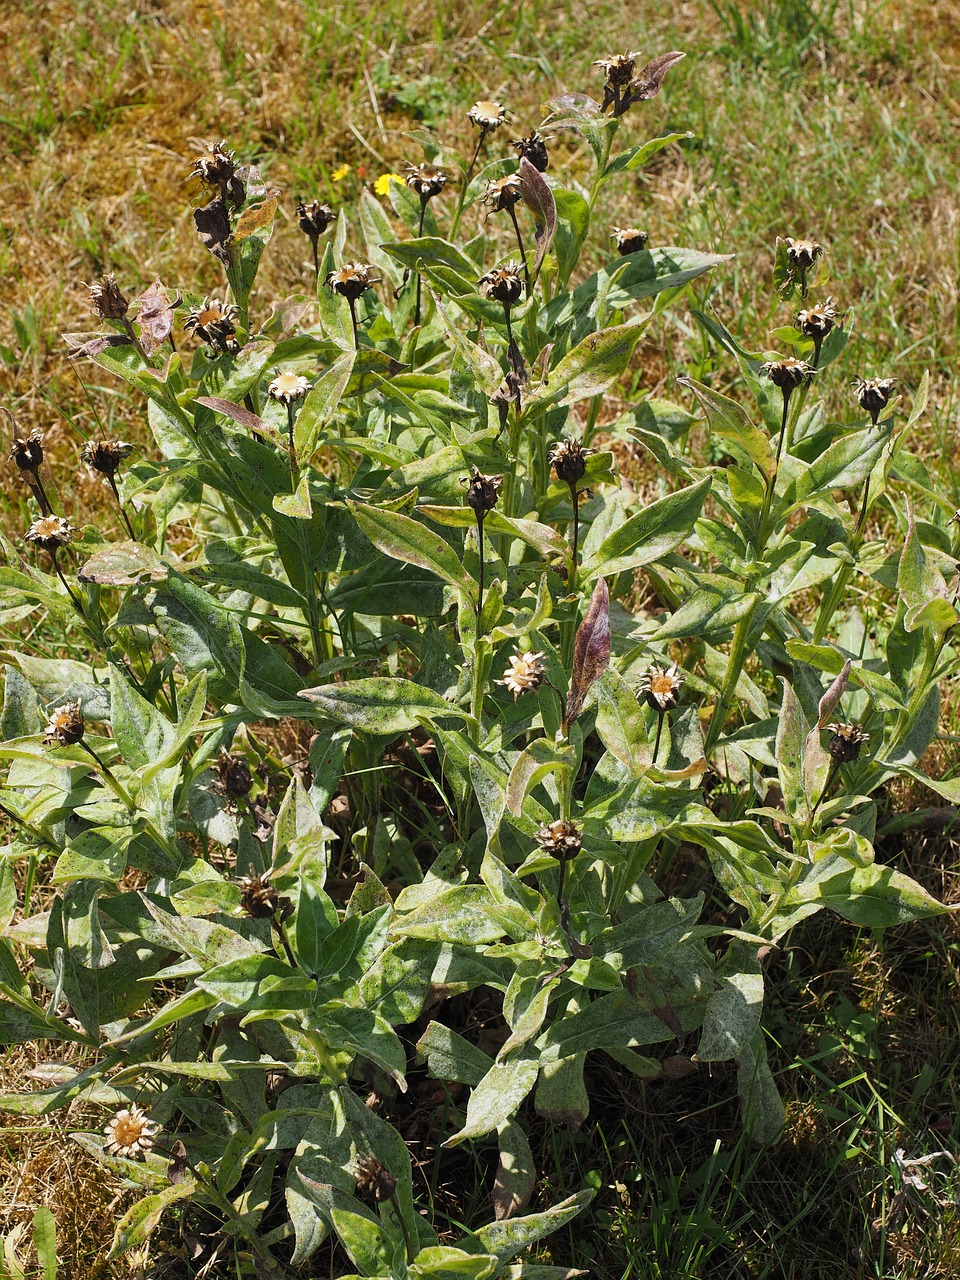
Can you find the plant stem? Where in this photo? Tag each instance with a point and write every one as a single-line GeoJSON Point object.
{"type": "Point", "coordinates": [661, 715]}
{"type": "Point", "coordinates": [353, 319]}
{"type": "Point", "coordinates": [416, 313]}
{"type": "Point", "coordinates": [282, 935]}
{"type": "Point", "coordinates": [123, 515]}
{"type": "Point", "coordinates": [738, 651]}
{"type": "Point", "coordinates": [572, 584]}
{"type": "Point", "coordinates": [480, 516]}
{"type": "Point", "coordinates": [291, 449]}
{"type": "Point", "coordinates": [466, 183]}
{"type": "Point", "coordinates": [76, 601]}
{"type": "Point", "coordinates": [122, 794]}
{"type": "Point", "coordinates": [523, 253]}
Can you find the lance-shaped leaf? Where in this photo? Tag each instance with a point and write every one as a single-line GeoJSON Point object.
{"type": "Point", "coordinates": [538, 198]}
{"type": "Point", "coordinates": [156, 316]}
{"type": "Point", "coordinates": [830, 700]}
{"type": "Point", "coordinates": [588, 370]}
{"type": "Point", "coordinates": [380, 704]}
{"type": "Point", "coordinates": [729, 419]}
{"type": "Point", "coordinates": [591, 651]}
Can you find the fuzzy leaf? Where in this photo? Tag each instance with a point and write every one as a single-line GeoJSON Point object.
{"type": "Point", "coordinates": [380, 704]}
{"type": "Point", "coordinates": [591, 651]}
{"type": "Point", "coordinates": [588, 370]}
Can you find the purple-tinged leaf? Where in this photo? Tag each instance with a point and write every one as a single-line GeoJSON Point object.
{"type": "Point", "coordinates": [156, 316]}
{"type": "Point", "coordinates": [591, 651]}
{"type": "Point", "coordinates": [538, 198]}
{"type": "Point", "coordinates": [830, 700]}
{"type": "Point", "coordinates": [95, 344]}
{"type": "Point", "coordinates": [649, 81]}
{"type": "Point", "coordinates": [238, 414]}
{"type": "Point", "coordinates": [213, 228]}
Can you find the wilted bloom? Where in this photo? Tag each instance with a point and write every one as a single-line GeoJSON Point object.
{"type": "Point", "coordinates": [661, 686]}
{"type": "Point", "coordinates": [788, 373]}
{"type": "Point", "coordinates": [562, 839]}
{"type": "Point", "coordinates": [569, 460]}
{"type": "Point", "coordinates": [483, 492]}
{"type": "Point", "coordinates": [802, 255]}
{"type": "Point", "coordinates": [503, 193]}
{"type": "Point", "coordinates": [65, 727]}
{"type": "Point", "coordinates": [108, 300]}
{"type": "Point", "coordinates": [618, 70]}
{"type": "Point", "coordinates": [487, 115]}
{"type": "Point", "coordinates": [353, 279]}
{"type": "Point", "coordinates": [816, 323]}
{"type": "Point", "coordinates": [534, 148]}
{"type": "Point", "coordinates": [234, 775]}
{"type": "Point", "coordinates": [105, 456]}
{"type": "Point", "coordinates": [130, 1133]}
{"type": "Point", "coordinates": [846, 741]}
{"type": "Point", "coordinates": [213, 323]}
{"type": "Point", "coordinates": [28, 453]}
{"type": "Point", "coordinates": [629, 239]}
{"type": "Point", "coordinates": [503, 284]}
{"type": "Point", "coordinates": [873, 395]}
{"type": "Point", "coordinates": [373, 1179]}
{"type": "Point", "coordinates": [288, 387]}
{"type": "Point", "coordinates": [215, 166]}
{"type": "Point", "coordinates": [426, 180]}
{"type": "Point", "coordinates": [314, 218]}
{"type": "Point", "coordinates": [622, 88]}
{"type": "Point", "coordinates": [260, 899]}
{"type": "Point", "coordinates": [50, 533]}
{"type": "Point", "coordinates": [525, 671]}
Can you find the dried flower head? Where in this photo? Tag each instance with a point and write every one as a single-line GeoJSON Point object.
{"type": "Point", "coordinates": [816, 322]}
{"type": "Point", "coordinates": [525, 671]}
{"type": "Point", "coordinates": [503, 284]}
{"type": "Point", "coordinates": [233, 774]}
{"type": "Point", "coordinates": [618, 70]}
{"type": "Point", "coordinates": [846, 741]}
{"type": "Point", "coordinates": [569, 460]}
{"type": "Point", "coordinates": [108, 300]}
{"type": "Point", "coordinates": [873, 395]}
{"type": "Point", "coordinates": [426, 180]}
{"type": "Point", "coordinates": [288, 387]}
{"type": "Point", "coordinates": [623, 85]}
{"type": "Point", "coordinates": [483, 492]}
{"type": "Point", "coordinates": [661, 686]}
{"type": "Point", "coordinates": [788, 373]}
{"type": "Point", "coordinates": [503, 193]}
{"type": "Point", "coordinates": [314, 218]}
{"type": "Point", "coordinates": [487, 115]}
{"type": "Point", "coordinates": [260, 899]}
{"type": "Point", "coordinates": [105, 456]}
{"type": "Point", "coordinates": [213, 323]}
{"type": "Point", "coordinates": [802, 254]}
{"type": "Point", "coordinates": [629, 239]}
{"type": "Point", "coordinates": [215, 166]}
{"type": "Point", "coordinates": [353, 279]}
{"type": "Point", "coordinates": [562, 839]}
{"type": "Point", "coordinates": [50, 533]}
{"type": "Point", "coordinates": [65, 727]}
{"type": "Point", "coordinates": [28, 453]}
{"type": "Point", "coordinates": [373, 1179]}
{"type": "Point", "coordinates": [534, 148]}
{"type": "Point", "coordinates": [130, 1133]}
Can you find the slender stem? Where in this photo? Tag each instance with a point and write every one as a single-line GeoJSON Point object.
{"type": "Point", "coordinates": [772, 480]}
{"type": "Point", "coordinates": [831, 777]}
{"type": "Point", "coordinates": [353, 317]}
{"type": "Point", "coordinates": [416, 313]}
{"type": "Point", "coordinates": [282, 935]}
{"type": "Point", "coordinates": [33, 831]}
{"type": "Point", "coordinates": [123, 515]}
{"type": "Point", "coordinates": [480, 516]}
{"type": "Point", "coordinates": [132, 335]}
{"type": "Point", "coordinates": [122, 794]}
{"type": "Point", "coordinates": [315, 242]}
{"type": "Point", "coordinates": [466, 182]}
{"type": "Point", "coordinates": [41, 494]}
{"type": "Point", "coordinates": [294, 469]}
{"type": "Point", "coordinates": [572, 584]}
{"type": "Point", "coordinates": [76, 601]}
{"type": "Point", "coordinates": [661, 716]}
{"type": "Point", "coordinates": [738, 651]}
{"type": "Point", "coordinates": [560, 884]}
{"type": "Point", "coordinates": [523, 253]}
{"type": "Point", "coordinates": [863, 510]}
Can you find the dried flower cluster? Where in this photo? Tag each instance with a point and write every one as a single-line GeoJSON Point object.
{"type": "Point", "coordinates": [562, 839]}
{"type": "Point", "coordinates": [524, 672]}
{"type": "Point", "coordinates": [846, 741]}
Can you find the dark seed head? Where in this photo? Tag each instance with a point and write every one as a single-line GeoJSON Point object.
{"type": "Point", "coordinates": [788, 373]}
{"type": "Point", "coordinates": [503, 284]}
{"type": "Point", "coordinates": [661, 686]}
{"type": "Point", "coordinates": [314, 218]}
{"type": "Point", "coordinates": [503, 193]}
{"type": "Point", "coordinates": [352, 280]}
{"type": "Point", "coordinates": [569, 460]}
{"type": "Point", "coordinates": [426, 180]}
{"type": "Point", "coordinates": [105, 456]}
{"type": "Point", "coordinates": [108, 300]}
{"type": "Point", "coordinates": [66, 726]}
{"type": "Point", "coordinates": [373, 1180]}
{"type": "Point", "coordinates": [562, 839]}
{"type": "Point", "coordinates": [483, 492]}
{"type": "Point", "coordinates": [27, 453]}
{"type": "Point", "coordinates": [261, 901]}
{"type": "Point", "coordinates": [629, 239]}
{"type": "Point", "coordinates": [846, 741]}
{"type": "Point", "coordinates": [50, 533]}
{"type": "Point", "coordinates": [234, 775]}
{"type": "Point", "coordinates": [534, 148]}
{"type": "Point", "coordinates": [873, 395]}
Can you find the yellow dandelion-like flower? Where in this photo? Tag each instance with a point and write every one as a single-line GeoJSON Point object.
{"type": "Point", "coordinates": [340, 173]}
{"type": "Point", "coordinates": [382, 184]}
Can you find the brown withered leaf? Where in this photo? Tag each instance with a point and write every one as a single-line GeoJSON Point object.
{"type": "Point", "coordinates": [213, 228]}
{"type": "Point", "coordinates": [238, 414]}
{"type": "Point", "coordinates": [538, 198]}
{"type": "Point", "coordinates": [177, 1169]}
{"type": "Point", "coordinates": [591, 651]}
{"type": "Point", "coordinates": [82, 344]}
{"type": "Point", "coordinates": [259, 216]}
{"type": "Point", "coordinates": [649, 81]}
{"type": "Point", "coordinates": [831, 699]}
{"type": "Point", "coordinates": [156, 316]}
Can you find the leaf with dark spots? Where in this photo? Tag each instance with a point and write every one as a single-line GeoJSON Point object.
{"type": "Point", "coordinates": [254, 219]}
{"type": "Point", "coordinates": [591, 651]}
{"type": "Point", "coordinates": [213, 228]}
{"type": "Point", "coordinates": [123, 564]}
{"type": "Point", "coordinates": [238, 414]}
{"type": "Point", "coordinates": [156, 316]}
{"type": "Point", "coordinates": [649, 82]}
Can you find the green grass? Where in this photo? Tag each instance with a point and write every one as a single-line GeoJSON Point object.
{"type": "Point", "coordinates": [831, 119]}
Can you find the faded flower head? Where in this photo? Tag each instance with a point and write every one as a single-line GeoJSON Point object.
{"type": "Point", "coordinates": [353, 279]}
{"type": "Point", "coordinates": [629, 239]}
{"type": "Point", "coordinates": [618, 70]}
{"type": "Point", "coordinates": [623, 85]}
{"type": "Point", "coordinates": [65, 727]}
{"type": "Point", "coordinates": [288, 387]}
{"type": "Point", "coordinates": [105, 456]}
{"type": "Point", "coordinates": [847, 738]}
{"type": "Point", "coordinates": [788, 373]}
{"type": "Point", "coordinates": [314, 218]}
{"type": "Point", "coordinates": [816, 322]}
{"type": "Point", "coordinates": [50, 533]}
{"type": "Point", "coordinates": [873, 395]}
{"type": "Point", "coordinates": [213, 323]}
{"type": "Point", "coordinates": [503, 284]}
{"type": "Point", "coordinates": [534, 148]}
{"type": "Point", "coordinates": [483, 492]}
{"type": "Point", "coordinates": [130, 1133]}
{"type": "Point", "coordinates": [569, 460]}
{"type": "Point", "coordinates": [487, 115]}
{"type": "Point", "coordinates": [107, 298]}
{"type": "Point", "coordinates": [28, 453]}
{"type": "Point", "coordinates": [661, 686]}
{"type": "Point", "coordinates": [525, 671]}
{"type": "Point", "coordinates": [233, 774]}
{"type": "Point", "coordinates": [215, 166]}
{"type": "Point", "coordinates": [425, 180]}
{"type": "Point", "coordinates": [503, 193]}
{"type": "Point", "coordinates": [802, 254]}
{"type": "Point", "coordinates": [260, 899]}
{"type": "Point", "coordinates": [373, 1179]}
{"type": "Point", "coordinates": [562, 839]}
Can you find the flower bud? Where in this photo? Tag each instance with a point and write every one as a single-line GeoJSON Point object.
{"type": "Point", "coordinates": [524, 673]}
{"type": "Point", "coordinates": [483, 492]}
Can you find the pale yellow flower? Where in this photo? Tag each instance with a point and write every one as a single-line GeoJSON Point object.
{"type": "Point", "coordinates": [340, 173]}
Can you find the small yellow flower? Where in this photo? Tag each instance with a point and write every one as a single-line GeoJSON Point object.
{"type": "Point", "coordinates": [340, 173]}
{"type": "Point", "coordinates": [382, 184]}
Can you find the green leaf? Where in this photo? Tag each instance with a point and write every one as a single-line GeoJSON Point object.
{"type": "Point", "coordinates": [443, 1262]}
{"type": "Point", "coordinates": [496, 1098]}
{"type": "Point", "coordinates": [732, 1015]}
{"type": "Point", "coordinates": [650, 534]}
{"type": "Point", "coordinates": [636, 157]}
{"type": "Point", "coordinates": [45, 1242]}
{"type": "Point", "coordinates": [432, 251]}
{"type": "Point", "coordinates": [380, 704]}
{"type": "Point", "coordinates": [764, 1116]}
{"type": "Point", "coordinates": [142, 734]}
{"type": "Point", "coordinates": [874, 896]}
{"type": "Point", "coordinates": [366, 1242]}
{"type": "Point", "coordinates": [450, 1057]}
{"type": "Point", "coordinates": [729, 420]}
{"type": "Point", "coordinates": [588, 370]}
{"type": "Point", "coordinates": [405, 539]}
{"type": "Point", "coordinates": [507, 1239]}
{"type": "Point", "coordinates": [320, 406]}
{"type": "Point", "coordinates": [142, 1219]}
